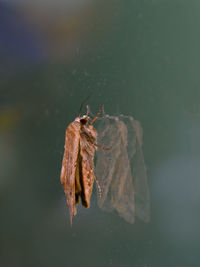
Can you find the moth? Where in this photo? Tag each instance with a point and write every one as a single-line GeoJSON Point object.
{"type": "Point", "coordinates": [77, 172]}
{"type": "Point", "coordinates": [121, 170]}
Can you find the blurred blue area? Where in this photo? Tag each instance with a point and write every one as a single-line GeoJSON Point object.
{"type": "Point", "coordinates": [18, 42]}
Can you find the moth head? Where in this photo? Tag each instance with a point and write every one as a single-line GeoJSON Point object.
{"type": "Point", "coordinates": [83, 120]}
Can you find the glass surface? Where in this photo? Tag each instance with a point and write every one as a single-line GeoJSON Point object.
{"type": "Point", "coordinates": [138, 58]}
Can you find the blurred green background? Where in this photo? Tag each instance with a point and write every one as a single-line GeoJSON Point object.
{"type": "Point", "coordinates": [139, 58]}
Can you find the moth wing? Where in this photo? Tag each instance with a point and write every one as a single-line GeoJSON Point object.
{"type": "Point", "coordinates": [69, 164]}
{"type": "Point", "coordinates": [113, 169]}
{"type": "Point", "coordinates": [87, 151]}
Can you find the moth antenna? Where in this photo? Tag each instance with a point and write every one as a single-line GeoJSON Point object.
{"type": "Point", "coordinates": [98, 114]}
{"type": "Point", "coordinates": [103, 111]}
{"type": "Point", "coordinates": [88, 110]}
{"type": "Point", "coordinates": [85, 100]}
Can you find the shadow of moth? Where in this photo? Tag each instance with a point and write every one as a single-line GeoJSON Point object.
{"type": "Point", "coordinates": [121, 171]}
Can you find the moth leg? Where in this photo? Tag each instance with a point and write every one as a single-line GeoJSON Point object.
{"type": "Point", "coordinates": [87, 136]}
{"type": "Point", "coordinates": [85, 100]}
{"type": "Point", "coordinates": [98, 187]}
{"type": "Point", "coordinates": [102, 147]}
{"type": "Point", "coordinates": [97, 181]}
{"type": "Point", "coordinates": [98, 114]}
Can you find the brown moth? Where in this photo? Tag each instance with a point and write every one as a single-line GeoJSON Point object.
{"type": "Point", "coordinates": [77, 173]}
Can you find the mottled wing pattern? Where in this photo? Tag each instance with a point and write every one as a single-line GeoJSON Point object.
{"type": "Point", "coordinates": [69, 164]}
{"type": "Point", "coordinates": [87, 151]}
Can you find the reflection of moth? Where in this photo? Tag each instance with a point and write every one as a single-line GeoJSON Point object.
{"type": "Point", "coordinates": [77, 173]}
{"type": "Point", "coordinates": [121, 170]}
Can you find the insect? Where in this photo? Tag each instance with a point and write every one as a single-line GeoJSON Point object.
{"type": "Point", "coordinates": [121, 170]}
{"type": "Point", "coordinates": [77, 173]}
